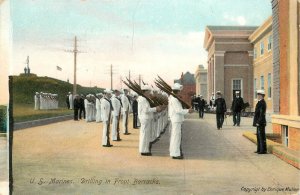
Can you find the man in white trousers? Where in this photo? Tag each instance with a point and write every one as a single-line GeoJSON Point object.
{"type": "Point", "coordinates": [177, 117]}
{"type": "Point", "coordinates": [71, 100]}
{"type": "Point", "coordinates": [125, 109]}
{"type": "Point", "coordinates": [145, 114]}
{"type": "Point", "coordinates": [106, 109]}
{"type": "Point", "coordinates": [37, 101]}
{"type": "Point", "coordinates": [98, 107]}
{"type": "Point", "coordinates": [117, 106]}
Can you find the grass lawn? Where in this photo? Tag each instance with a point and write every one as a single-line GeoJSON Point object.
{"type": "Point", "coordinates": [26, 112]}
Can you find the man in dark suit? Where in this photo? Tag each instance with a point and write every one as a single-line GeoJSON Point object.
{"type": "Point", "coordinates": [237, 107]}
{"type": "Point", "coordinates": [76, 107]}
{"type": "Point", "coordinates": [81, 108]}
{"type": "Point", "coordinates": [135, 111]}
{"type": "Point", "coordinates": [201, 105]}
{"type": "Point", "coordinates": [220, 105]}
{"type": "Point", "coordinates": [260, 122]}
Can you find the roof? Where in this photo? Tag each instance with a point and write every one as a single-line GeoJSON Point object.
{"type": "Point", "coordinates": [239, 28]}
{"type": "Point", "coordinates": [188, 79]}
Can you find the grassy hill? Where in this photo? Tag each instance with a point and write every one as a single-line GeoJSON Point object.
{"type": "Point", "coordinates": [24, 88]}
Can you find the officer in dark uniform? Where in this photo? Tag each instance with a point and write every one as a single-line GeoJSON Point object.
{"type": "Point", "coordinates": [260, 123]}
{"type": "Point", "coordinates": [135, 111]}
{"type": "Point", "coordinates": [201, 105]}
{"type": "Point", "coordinates": [237, 107]}
{"type": "Point", "coordinates": [76, 107]}
{"type": "Point", "coordinates": [220, 105]}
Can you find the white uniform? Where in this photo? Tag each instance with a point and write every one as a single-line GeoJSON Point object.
{"type": "Point", "coordinates": [36, 102]}
{"type": "Point", "coordinates": [89, 111]}
{"type": "Point", "coordinates": [71, 101]}
{"type": "Point", "coordinates": [126, 108]}
{"type": "Point", "coordinates": [145, 114]}
{"type": "Point", "coordinates": [177, 117]}
{"type": "Point", "coordinates": [98, 110]}
{"type": "Point", "coordinates": [105, 114]}
{"type": "Point", "coordinates": [116, 104]}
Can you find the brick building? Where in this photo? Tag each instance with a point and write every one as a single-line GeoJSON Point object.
{"type": "Point", "coordinates": [286, 70]}
{"type": "Point", "coordinates": [187, 80]}
{"type": "Point", "coordinates": [230, 60]}
{"type": "Point", "coordinates": [261, 38]}
{"type": "Point", "coordinates": [201, 81]}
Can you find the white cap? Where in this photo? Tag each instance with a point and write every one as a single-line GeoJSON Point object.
{"type": "Point", "coordinates": [69, 92]}
{"type": "Point", "coordinates": [260, 91]}
{"type": "Point", "coordinates": [237, 92]}
{"type": "Point", "coordinates": [146, 87]}
{"type": "Point", "coordinates": [108, 91]}
{"type": "Point", "coordinates": [201, 95]}
{"type": "Point", "coordinates": [177, 86]}
{"type": "Point", "coordinates": [218, 92]}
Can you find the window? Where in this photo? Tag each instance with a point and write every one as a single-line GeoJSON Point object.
{"type": "Point", "coordinates": [285, 135]}
{"type": "Point", "coordinates": [269, 86]}
{"type": "Point", "coordinates": [270, 43]}
{"type": "Point", "coordinates": [255, 89]}
{"type": "Point", "coordinates": [262, 83]}
{"type": "Point", "coordinates": [255, 53]}
{"type": "Point", "coordinates": [262, 48]}
{"type": "Point", "coordinates": [236, 86]}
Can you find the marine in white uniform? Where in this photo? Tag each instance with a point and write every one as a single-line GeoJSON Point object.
{"type": "Point", "coordinates": [117, 106]}
{"type": "Point", "coordinates": [177, 117]}
{"type": "Point", "coordinates": [89, 108]}
{"type": "Point", "coordinates": [145, 114]}
{"type": "Point", "coordinates": [37, 101]}
{"type": "Point", "coordinates": [106, 114]}
{"type": "Point", "coordinates": [98, 107]}
{"type": "Point", "coordinates": [71, 100]}
{"type": "Point", "coordinates": [125, 109]}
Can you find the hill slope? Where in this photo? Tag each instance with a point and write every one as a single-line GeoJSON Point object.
{"type": "Point", "coordinates": [24, 88]}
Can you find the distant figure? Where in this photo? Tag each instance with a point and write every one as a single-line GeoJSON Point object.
{"type": "Point", "coordinates": [125, 109]}
{"type": "Point", "coordinates": [212, 101]}
{"type": "Point", "coordinates": [135, 111]}
{"type": "Point", "coordinates": [89, 108]}
{"type": "Point", "coordinates": [68, 102]}
{"type": "Point", "coordinates": [237, 107]}
{"type": "Point", "coordinates": [201, 105]}
{"type": "Point", "coordinates": [76, 107]}
{"type": "Point", "coordinates": [98, 107]}
{"type": "Point", "coordinates": [37, 101]}
{"type": "Point", "coordinates": [259, 121]}
{"type": "Point", "coordinates": [106, 109]}
{"type": "Point", "coordinates": [71, 100]}
{"type": "Point", "coordinates": [117, 106]}
{"type": "Point", "coordinates": [220, 105]}
{"type": "Point", "coordinates": [81, 108]}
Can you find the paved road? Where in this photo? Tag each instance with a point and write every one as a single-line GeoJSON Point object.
{"type": "Point", "coordinates": [216, 162]}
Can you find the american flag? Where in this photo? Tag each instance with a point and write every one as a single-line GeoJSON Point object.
{"type": "Point", "coordinates": [58, 68]}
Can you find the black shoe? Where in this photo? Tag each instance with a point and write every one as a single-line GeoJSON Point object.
{"type": "Point", "coordinates": [255, 152]}
{"type": "Point", "coordinates": [117, 140]}
{"type": "Point", "coordinates": [146, 154]}
{"type": "Point", "coordinates": [107, 145]}
{"type": "Point", "coordinates": [177, 157]}
{"type": "Point", "coordinates": [218, 128]}
{"type": "Point", "coordinates": [261, 152]}
{"type": "Point", "coordinates": [127, 133]}
{"type": "Point", "coordinates": [238, 125]}
{"type": "Point", "coordinates": [233, 124]}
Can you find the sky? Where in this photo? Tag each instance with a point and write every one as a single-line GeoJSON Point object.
{"type": "Point", "coordinates": [145, 37]}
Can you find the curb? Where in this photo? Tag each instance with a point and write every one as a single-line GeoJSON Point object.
{"type": "Point", "coordinates": [40, 122]}
{"type": "Point", "coordinates": [284, 153]}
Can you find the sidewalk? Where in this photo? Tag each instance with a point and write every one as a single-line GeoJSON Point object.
{"type": "Point", "coordinates": [3, 166]}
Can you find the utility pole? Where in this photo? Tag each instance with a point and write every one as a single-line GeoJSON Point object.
{"type": "Point", "coordinates": [111, 77]}
{"type": "Point", "coordinates": [140, 79]}
{"type": "Point", "coordinates": [75, 52]}
{"type": "Point", "coordinates": [75, 66]}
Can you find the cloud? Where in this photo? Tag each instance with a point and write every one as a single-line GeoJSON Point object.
{"type": "Point", "coordinates": [240, 20]}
